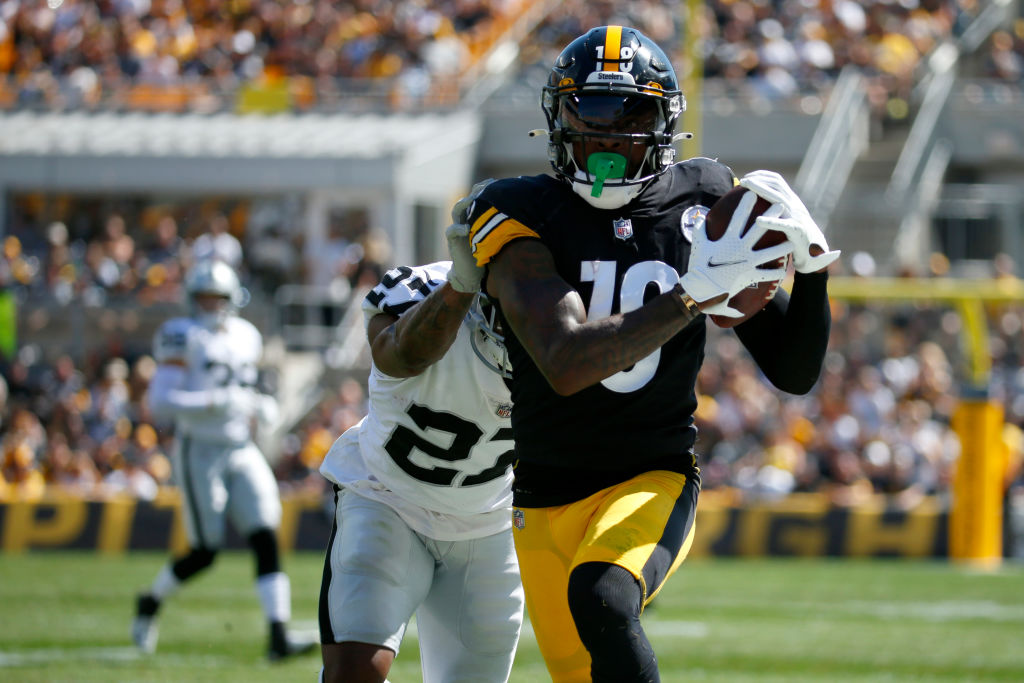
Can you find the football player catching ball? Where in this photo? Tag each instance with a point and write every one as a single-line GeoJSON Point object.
{"type": "Point", "coordinates": [602, 277]}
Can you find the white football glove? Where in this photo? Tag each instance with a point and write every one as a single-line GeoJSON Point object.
{"type": "Point", "coordinates": [730, 264]}
{"type": "Point", "coordinates": [218, 400]}
{"type": "Point", "coordinates": [793, 219]}
{"type": "Point", "coordinates": [465, 275]}
{"type": "Point", "coordinates": [244, 401]}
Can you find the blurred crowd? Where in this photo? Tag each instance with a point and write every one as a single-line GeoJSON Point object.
{"type": "Point", "coordinates": [139, 256]}
{"type": "Point", "coordinates": [211, 55]}
{"type": "Point", "coordinates": [115, 261]}
{"type": "Point", "coordinates": [772, 50]}
{"type": "Point", "coordinates": [877, 422]}
{"type": "Point", "coordinates": [199, 54]}
{"type": "Point", "coordinates": [84, 429]}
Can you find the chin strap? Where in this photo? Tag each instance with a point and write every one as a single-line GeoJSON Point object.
{"type": "Point", "coordinates": [611, 197]}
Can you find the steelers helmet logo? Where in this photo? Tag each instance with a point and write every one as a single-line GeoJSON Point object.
{"type": "Point", "coordinates": [691, 219]}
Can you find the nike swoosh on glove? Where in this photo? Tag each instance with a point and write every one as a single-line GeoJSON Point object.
{"type": "Point", "coordinates": [794, 220]}
{"type": "Point", "coordinates": [730, 264]}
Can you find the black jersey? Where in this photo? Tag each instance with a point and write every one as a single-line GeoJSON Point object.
{"type": "Point", "coordinates": [640, 419]}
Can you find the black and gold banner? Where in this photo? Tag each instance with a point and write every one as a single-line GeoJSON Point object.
{"type": "Point", "coordinates": [803, 525]}
{"type": "Point", "coordinates": [807, 525]}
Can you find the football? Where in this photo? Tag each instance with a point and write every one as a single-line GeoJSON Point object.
{"type": "Point", "coordinates": [756, 297]}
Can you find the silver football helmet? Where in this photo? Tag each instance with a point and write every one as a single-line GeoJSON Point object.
{"type": "Point", "coordinates": [217, 279]}
{"type": "Point", "coordinates": [488, 342]}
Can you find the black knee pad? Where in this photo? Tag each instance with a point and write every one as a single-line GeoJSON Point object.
{"type": "Point", "coordinates": [264, 545]}
{"type": "Point", "coordinates": [605, 601]}
{"type": "Point", "coordinates": [194, 562]}
{"type": "Point", "coordinates": [603, 595]}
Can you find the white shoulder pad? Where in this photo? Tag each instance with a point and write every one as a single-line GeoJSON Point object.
{"type": "Point", "coordinates": [170, 344]}
{"type": "Point", "coordinates": [402, 287]}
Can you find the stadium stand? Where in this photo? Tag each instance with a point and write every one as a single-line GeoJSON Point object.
{"type": "Point", "coordinates": [127, 128]}
{"type": "Point", "coordinates": [259, 56]}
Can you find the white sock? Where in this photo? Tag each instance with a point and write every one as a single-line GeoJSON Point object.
{"type": "Point", "coordinates": [165, 584]}
{"type": "Point", "coordinates": [275, 596]}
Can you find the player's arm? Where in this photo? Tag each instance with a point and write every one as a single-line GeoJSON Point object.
{"type": "Point", "coordinates": [550, 319]}
{"type": "Point", "coordinates": [406, 346]}
{"type": "Point", "coordinates": [167, 398]}
{"type": "Point", "coordinates": [168, 394]}
{"type": "Point", "coordinates": [789, 338]}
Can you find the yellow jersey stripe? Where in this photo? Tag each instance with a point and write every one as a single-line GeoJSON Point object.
{"type": "Point", "coordinates": [480, 222]}
{"type": "Point", "coordinates": [612, 47]}
{"type": "Point", "coordinates": [481, 233]}
{"type": "Point", "coordinates": [489, 238]}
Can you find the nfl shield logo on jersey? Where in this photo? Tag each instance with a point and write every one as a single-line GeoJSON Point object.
{"type": "Point", "coordinates": [691, 218]}
{"type": "Point", "coordinates": [518, 518]}
{"type": "Point", "coordinates": [623, 228]}
{"type": "Point", "coordinates": [504, 410]}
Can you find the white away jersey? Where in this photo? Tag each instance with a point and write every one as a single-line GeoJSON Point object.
{"type": "Point", "coordinates": [209, 361]}
{"type": "Point", "coordinates": [437, 447]}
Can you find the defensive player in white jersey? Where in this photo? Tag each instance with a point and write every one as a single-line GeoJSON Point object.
{"type": "Point", "coordinates": [205, 382]}
{"type": "Point", "coordinates": [422, 485]}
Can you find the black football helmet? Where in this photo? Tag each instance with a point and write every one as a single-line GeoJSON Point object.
{"type": "Point", "coordinates": [612, 87]}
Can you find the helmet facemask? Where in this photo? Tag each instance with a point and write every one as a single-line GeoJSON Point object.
{"type": "Point", "coordinates": [213, 314]}
{"type": "Point", "coordinates": [217, 283]}
{"type": "Point", "coordinates": [487, 340]}
{"type": "Point", "coordinates": [611, 141]}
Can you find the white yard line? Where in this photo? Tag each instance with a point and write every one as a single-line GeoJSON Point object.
{"type": "Point", "coordinates": [10, 659]}
{"type": "Point", "coordinates": [657, 628]}
{"type": "Point", "coordinates": [949, 610]}
{"type": "Point", "coordinates": [938, 610]}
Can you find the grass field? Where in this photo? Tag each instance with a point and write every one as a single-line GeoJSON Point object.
{"type": "Point", "coordinates": [66, 616]}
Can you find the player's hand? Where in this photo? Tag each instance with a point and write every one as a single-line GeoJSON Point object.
{"type": "Point", "coordinates": [730, 264]}
{"type": "Point", "coordinates": [465, 275]}
{"type": "Point", "coordinates": [244, 401]}
{"type": "Point", "coordinates": [219, 399]}
{"type": "Point", "coordinates": [463, 207]}
{"type": "Point", "coordinates": [810, 250]}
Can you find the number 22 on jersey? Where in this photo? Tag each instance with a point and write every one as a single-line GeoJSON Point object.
{"type": "Point", "coordinates": [465, 435]}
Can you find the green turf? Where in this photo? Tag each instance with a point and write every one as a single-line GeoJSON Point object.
{"type": "Point", "coordinates": [65, 617]}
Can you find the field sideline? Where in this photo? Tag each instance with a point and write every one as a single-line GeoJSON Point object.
{"type": "Point", "coordinates": [65, 617]}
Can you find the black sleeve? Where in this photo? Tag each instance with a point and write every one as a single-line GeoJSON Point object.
{"type": "Point", "coordinates": [788, 339]}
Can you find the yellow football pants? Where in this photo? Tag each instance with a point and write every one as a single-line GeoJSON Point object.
{"type": "Point", "coordinates": [623, 525]}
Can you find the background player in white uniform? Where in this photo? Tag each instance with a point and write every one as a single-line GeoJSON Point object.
{"type": "Point", "coordinates": [206, 382]}
{"type": "Point", "coordinates": [423, 519]}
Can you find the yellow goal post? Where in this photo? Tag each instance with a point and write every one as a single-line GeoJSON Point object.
{"type": "Point", "coordinates": [976, 512]}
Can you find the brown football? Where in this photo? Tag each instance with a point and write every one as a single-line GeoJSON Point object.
{"type": "Point", "coordinates": [754, 298]}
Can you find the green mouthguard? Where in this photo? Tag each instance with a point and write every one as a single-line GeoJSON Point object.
{"type": "Point", "coordinates": [604, 165]}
